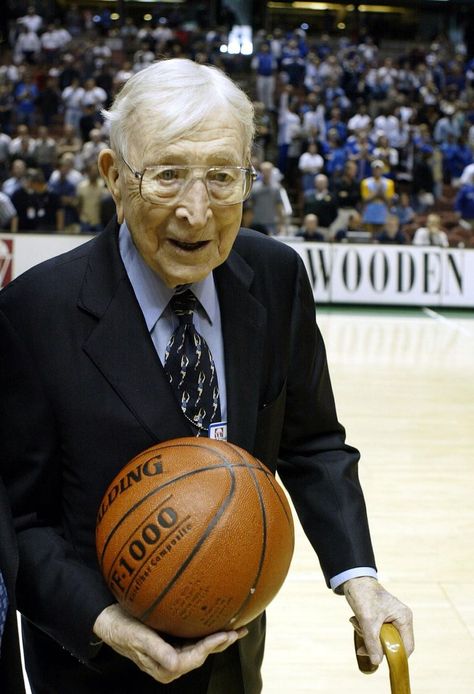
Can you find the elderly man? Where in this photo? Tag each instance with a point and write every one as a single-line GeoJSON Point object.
{"type": "Point", "coordinates": [98, 325]}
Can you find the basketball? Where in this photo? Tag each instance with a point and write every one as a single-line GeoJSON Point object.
{"type": "Point", "coordinates": [194, 536]}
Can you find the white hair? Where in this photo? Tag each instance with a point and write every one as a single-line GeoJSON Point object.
{"type": "Point", "coordinates": [175, 96]}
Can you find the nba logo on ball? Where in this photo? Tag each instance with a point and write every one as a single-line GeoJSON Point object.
{"type": "Point", "coordinates": [194, 536]}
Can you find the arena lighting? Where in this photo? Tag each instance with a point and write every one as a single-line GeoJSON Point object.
{"type": "Point", "coordinates": [315, 6]}
{"type": "Point", "coordinates": [239, 41]}
{"type": "Point", "coordinates": [136, 2]}
{"type": "Point", "coordinates": [324, 6]}
{"type": "Point", "coordinates": [170, 2]}
{"type": "Point", "coordinates": [384, 9]}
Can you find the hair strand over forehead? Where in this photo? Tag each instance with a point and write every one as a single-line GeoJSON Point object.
{"type": "Point", "coordinates": [171, 98]}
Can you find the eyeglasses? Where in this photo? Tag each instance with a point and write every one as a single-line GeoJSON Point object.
{"type": "Point", "coordinates": [166, 184]}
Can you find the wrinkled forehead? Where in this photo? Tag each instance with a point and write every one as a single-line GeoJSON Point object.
{"type": "Point", "coordinates": [219, 139]}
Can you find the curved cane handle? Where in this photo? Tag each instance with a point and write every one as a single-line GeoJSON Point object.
{"type": "Point", "coordinates": [394, 651]}
{"type": "Point", "coordinates": [397, 659]}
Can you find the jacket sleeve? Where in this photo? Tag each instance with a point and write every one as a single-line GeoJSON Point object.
{"type": "Point", "coordinates": [316, 465]}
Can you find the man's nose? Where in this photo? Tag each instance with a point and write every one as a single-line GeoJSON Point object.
{"type": "Point", "coordinates": [194, 204]}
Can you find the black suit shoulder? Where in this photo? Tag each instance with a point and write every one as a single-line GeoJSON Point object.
{"type": "Point", "coordinates": [270, 259]}
{"type": "Point", "coordinates": [251, 244]}
{"type": "Point", "coordinates": [47, 291]}
{"type": "Point", "coordinates": [54, 276]}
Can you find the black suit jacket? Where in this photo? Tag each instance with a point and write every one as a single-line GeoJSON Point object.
{"type": "Point", "coordinates": [11, 677]}
{"type": "Point", "coordinates": [105, 397]}
{"type": "Point", "coordinates": [12, 396]}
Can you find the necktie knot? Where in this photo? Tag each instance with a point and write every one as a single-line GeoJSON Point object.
{"type": "Point", "coordinates": [183, 304]}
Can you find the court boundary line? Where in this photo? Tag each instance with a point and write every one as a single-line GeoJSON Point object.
{"type": "Point", "coordinates": [448, 322]}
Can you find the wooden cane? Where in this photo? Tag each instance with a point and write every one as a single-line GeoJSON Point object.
{"type": "Point", "coordinates": [394, 651]}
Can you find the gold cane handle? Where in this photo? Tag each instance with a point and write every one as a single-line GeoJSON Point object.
{"type": "Point", "coordinates": [394, 651]}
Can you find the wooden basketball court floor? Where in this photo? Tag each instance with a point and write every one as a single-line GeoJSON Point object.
{"type": "Point", "coordinates": [404, 385]}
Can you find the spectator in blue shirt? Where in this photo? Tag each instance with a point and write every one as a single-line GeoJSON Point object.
{"type": "Point", "coordinates": [456, 156]}
{"type": "Point", "coordinates": [65, 189]}
{"type": "Point", "coordinates": [447, 125]}
{"type": "Point", "coordinates": [334, 153]}
{"type": "Point", "coordinates": [265, 66]}
{"type": "Point", "coordinates": [26, 93]}
{"type": "Point", "coordinates": [293, 64]}
{"type": "Point", "coordinates": [404, 210]}
{"type": "Point", "coordinates": [335, 122]}
{"type": "Point", "coordinates": [464, 203]}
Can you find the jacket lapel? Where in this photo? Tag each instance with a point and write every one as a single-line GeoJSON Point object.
{"type": "Point", "coordinates": [243, 326]}
{"type": "Point", "coordinates": [121, 348]}
{"type": "Point", "coordinates": [120, 345]}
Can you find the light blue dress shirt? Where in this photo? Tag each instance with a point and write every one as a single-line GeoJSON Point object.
{"type": "Point", "coordinates": [153, 297]}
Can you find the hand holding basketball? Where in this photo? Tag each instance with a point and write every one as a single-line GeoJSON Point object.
{"type": "Point", "coordinates": [132, 639]}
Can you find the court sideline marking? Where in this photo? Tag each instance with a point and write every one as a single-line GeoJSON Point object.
{"type": "Point", "coordinates": [452, 324]}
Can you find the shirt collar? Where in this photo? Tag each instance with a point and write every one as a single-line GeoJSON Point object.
{"type": "Point", "coordinates": [152, 293]}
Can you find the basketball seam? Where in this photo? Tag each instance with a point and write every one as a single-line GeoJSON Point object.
{"type": "Point", "coordinates": [246, 601]}
{"type": "Point", "coordinates": [273, 482]}
{"type": "Point", "coordinates": [155, 491]}
{"type": "Point", "coordinates": [271, 479]}
{"type": "Point", "coordinates": [195, 550]}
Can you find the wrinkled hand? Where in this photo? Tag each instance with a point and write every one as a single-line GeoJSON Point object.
{"type": "Point", "coordinates": [373, 606]}
{"type": "Point", "coordinates": [132, 639]}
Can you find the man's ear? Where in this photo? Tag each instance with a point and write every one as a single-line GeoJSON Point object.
{"type": "Point", "coordinates": [108, 168]}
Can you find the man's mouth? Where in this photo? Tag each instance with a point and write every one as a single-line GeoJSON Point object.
{"type": "Point", "coordinates": [185, 246]}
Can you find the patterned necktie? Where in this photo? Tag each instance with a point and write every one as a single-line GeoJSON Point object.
{"type": "Point", "coordinates": [190, 367]}
{"type": "Point", "coordinates": [3, 606]}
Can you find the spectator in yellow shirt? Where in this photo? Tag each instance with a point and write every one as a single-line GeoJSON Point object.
{"type": "Point", "coordinates": [377, 193]}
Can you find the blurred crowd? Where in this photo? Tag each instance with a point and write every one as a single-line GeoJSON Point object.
{"type": "Point", "coordinates": [354, 141]}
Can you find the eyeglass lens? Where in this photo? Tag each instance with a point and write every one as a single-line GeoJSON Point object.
{"type": "Point", "coordinates": [225, 185]}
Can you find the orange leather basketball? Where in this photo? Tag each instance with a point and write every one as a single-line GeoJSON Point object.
{"type": "Point", "coordinates": [194, 536]}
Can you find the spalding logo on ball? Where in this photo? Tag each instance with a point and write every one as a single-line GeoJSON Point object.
{"type": "Point", "coordinates": [194, 536]}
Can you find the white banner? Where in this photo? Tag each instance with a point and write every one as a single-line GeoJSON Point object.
{"type": "Point", "coordinates": [339, 273]}
{"type": "Point", "coordinates": [398, 275]}
{"type": "Point", "coordinates": [19, 252]}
